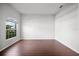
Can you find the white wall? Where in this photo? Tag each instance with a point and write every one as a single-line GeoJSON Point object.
{"type": "Point", "coordinates": [67, 27]}
{"type": "Point", "coordinates": [0, 25]}
{"type": "Point", "coordinates": [7, 11]}
{"type": "Point", "coordinates": [37, 27]}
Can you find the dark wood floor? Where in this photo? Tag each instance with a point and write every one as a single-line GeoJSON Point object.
{"type": "Point", "coordinates": [38, 48]}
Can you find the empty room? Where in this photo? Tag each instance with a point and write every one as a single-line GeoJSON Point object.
{"type": "Point", "coordinates": [39, 29]}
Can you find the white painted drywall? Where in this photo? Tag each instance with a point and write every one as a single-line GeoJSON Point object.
{"type": "Point", "coordinates": [7, 11]}
{"type": "Point", "coordinates": [0, 25]}
{"type": "Point", "coordinates": [67, 27]}
{"type": "Point", "coordinates": [37, 27]}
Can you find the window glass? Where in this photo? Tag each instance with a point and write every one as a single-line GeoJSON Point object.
{"type": "Point", "coordinates": [10, 29]}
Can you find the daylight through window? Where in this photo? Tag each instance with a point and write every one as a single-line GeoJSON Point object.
{"type": "Point", "coordinates": [10, 29]}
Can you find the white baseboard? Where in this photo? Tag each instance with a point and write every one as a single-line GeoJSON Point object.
{"type": "Point", "coordinates": [38, 39]}
{"type": "Point", "coordinates": [69, 46]}
{"type": "Point", "coordinates": [8, 46]}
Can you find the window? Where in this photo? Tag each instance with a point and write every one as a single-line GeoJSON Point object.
{"type": "Point", "coordinates": [10, 28]}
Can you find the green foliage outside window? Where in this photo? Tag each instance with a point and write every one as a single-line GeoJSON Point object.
{"type": "Point", "coordinates": [10, 29]}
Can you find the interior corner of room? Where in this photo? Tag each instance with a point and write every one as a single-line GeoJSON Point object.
{"type": "Point", "coordinates": [41, 21]}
